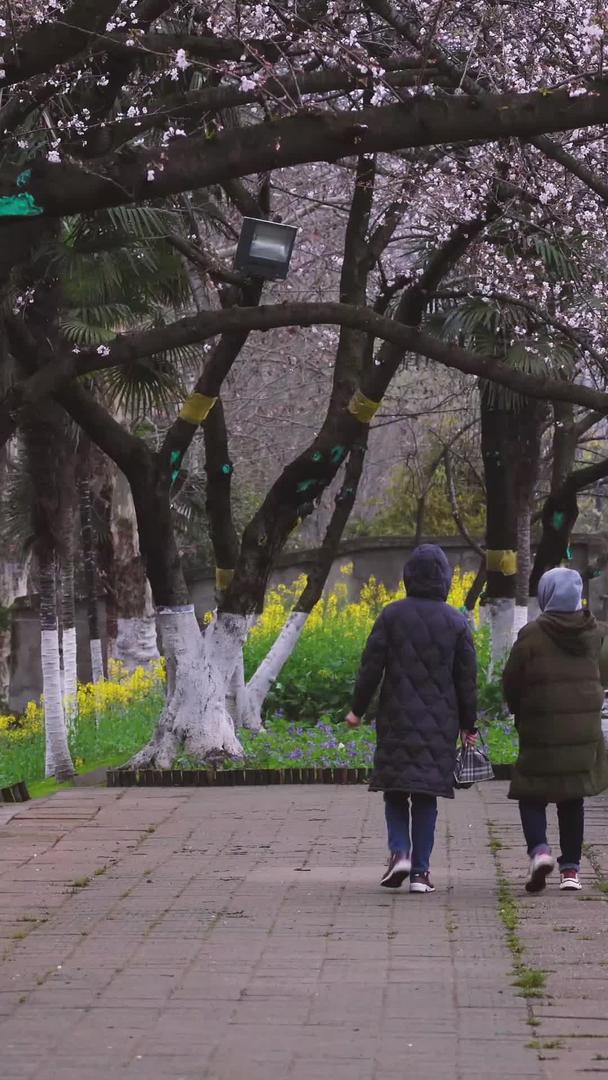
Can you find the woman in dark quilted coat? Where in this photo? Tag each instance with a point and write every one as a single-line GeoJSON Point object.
{"type": "Point", "coordinates": [422, 651]}
{"type": "Point", "coordinates": [552, 684]}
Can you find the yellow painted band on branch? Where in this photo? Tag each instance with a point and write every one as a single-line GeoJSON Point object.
{"type": "Point", "coordinates": [196, 408]}
{"type": "Point", "coordinates": [362, 407]}
{"type": "Point", "coordinates": [504, 562]}
{"type": "Point", "coordinates": [223, 578]}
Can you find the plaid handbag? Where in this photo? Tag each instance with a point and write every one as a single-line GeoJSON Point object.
{"type": "Point", "coordinates": [472, 766]}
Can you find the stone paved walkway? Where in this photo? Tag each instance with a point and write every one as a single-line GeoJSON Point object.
{"type": "Point", "coordinates": [239, 934]}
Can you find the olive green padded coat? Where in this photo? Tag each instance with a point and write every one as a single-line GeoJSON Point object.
{"type": "Point", "coordinates": [552, 685]}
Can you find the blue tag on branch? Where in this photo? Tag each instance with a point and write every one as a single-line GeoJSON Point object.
{"type": "Point", "coordinates": [558, 519]}
{"type": "Point", "coordinates": [24, 178]}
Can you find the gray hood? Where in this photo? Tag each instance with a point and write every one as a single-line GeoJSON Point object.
{"type": "Point", "coordinates": [560, 589]}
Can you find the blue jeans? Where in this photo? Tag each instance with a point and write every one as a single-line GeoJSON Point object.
{"type": "Point", "coordinates": [424, 817]}
{"type": "Point", "coordinates": [571, 820]}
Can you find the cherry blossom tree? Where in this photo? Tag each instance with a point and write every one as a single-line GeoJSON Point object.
{"type": "Point", "coordinates": [152, 102]}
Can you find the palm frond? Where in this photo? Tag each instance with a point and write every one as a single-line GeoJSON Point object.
{"type": "Point", "coordinates": [16, 534]}
{"type": "Point", "coordinates": [144, 386]}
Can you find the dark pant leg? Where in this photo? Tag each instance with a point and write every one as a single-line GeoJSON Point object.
{"type": "Point", "coordinates": [534, 823]}
{"type": "Point", "coordinates": [397, 813]}
{"type": "Point", "coordinates": [571, 818]}
{"type": "Point", "coordinates": [424, 818]}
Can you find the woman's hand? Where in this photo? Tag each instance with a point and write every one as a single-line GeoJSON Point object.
{"type": "Point", "coordinates": [352, 720]}
{"type": "Point", "coordinates": [469, 738]}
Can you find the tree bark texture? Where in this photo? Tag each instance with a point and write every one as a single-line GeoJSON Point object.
{"type": "Point", "coordinates": [89, 558]}
{"type": "Point", "coordinates": [45, 447]}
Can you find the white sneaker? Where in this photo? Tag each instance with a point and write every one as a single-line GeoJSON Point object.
{"type": "Point", "coordinates": [541, 866]}
{"type": "Point", "coordinates": [397, 871]}
{"type": "Point", "coordinates": [421, 883]}
{"type": "Point", "coordinates": [570, 881]}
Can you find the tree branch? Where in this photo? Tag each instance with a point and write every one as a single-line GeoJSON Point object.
{"type": "Point", "coordinates": [40, 49]}
{"type": "Point", "coordinates": [453, 499]}
{"type": "Point", "coordinates": [188, 163]}
{"type": "Point", "coordinates": [191, 105]}
{"type": "Point", "coordinates": [459, 78]}
{"type": "Point", "coordinates": [218, 468]}
{"type": "Point", "coordinates": [206, 324]}
{"type": "Point", "coordinates": [126, 450]}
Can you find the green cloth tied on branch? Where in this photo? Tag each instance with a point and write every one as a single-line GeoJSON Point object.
{"type": "Point", "coordinates": [22, 205]}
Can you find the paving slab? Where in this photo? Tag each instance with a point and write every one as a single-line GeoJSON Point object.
{"type": "Point", "coordinates": [237, 933]}
{"type": "Point", "coordinates": [566, 936]}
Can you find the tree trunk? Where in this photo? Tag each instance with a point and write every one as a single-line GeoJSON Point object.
{"type": "Point", "coordinates": [278, 655]}
{"type": "Point", "coordinates": [136, 640]}
{"type": "Point", "coordinates": [476, 589]}
{"type": "Point", "coordinates": [67, 596]}
{"type": "Point", "coordinates": [524, 565]}
{"type": "Point", "coordinates": [58, 762]}
{"type": "Point", "coordinates": [13, 583]}
{"type": "Point", "coordinates": [195, 718]}
{"type": "Point", "coordinates": [70, 670]}
{"type": "Point", "coordinates": [529, 418]}
{"type": "Point", "coordinates": [501, 529]}
{"type": "Point", "coordinates": [44, 432]}
{"type": "Point", "coordinates": [89, 556]}
{"type": "Point", "coordinates": [560, 511]}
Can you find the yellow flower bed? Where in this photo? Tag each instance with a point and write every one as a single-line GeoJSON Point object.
{"type": "Point", "coordinates": [120, 691]}
{"type": "Point", "coordinates": [355, 615]}
{"type": "Point", "coordinates": [334, 613]}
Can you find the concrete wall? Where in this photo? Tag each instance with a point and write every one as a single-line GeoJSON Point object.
{"type": "Point", "coordinates": [383, 558]}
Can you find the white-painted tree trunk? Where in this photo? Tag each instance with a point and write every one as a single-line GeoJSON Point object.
{"type": "Point", "coordinates": [70, 677]}
{"type": "Point", "coordinates": [58, 761]}
{"type": "Point", "coordinates": [136, 643]}
{"type": "Point", "coordinates": [196, 719]}
{"type": "Point", "coordinates": [238, 700]}
{"type": "Point", "coordinates": [520, 619]}
{"type": "Point", "coordinates": [533, 609]}
{"type": "Point", "coordinates": [270, 669]}
{"type": "Point", "coordinates": [13, 583]}
{"type": "Point", "coordinates": [97, 672]}
{"type": "Point", "coordinates": [502, 613]}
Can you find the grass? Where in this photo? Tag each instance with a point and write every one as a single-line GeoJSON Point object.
{"type": "Point", "coordinates": [81, 883]}
{"type": "Point", "coordinates": [39, 789]}
{"type": "Point", "coordinates": [530, 981]}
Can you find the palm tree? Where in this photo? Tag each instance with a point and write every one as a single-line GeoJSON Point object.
{"type": "Point", "coordinates": [45, 439]}
{"type": "Point", "coordinates": [511, 433]}
{"type": "Point", "coordinates": [118, 271]}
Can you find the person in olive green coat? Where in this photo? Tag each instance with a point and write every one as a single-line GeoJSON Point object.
{"type": "Point", "coordinates": [552, 685]}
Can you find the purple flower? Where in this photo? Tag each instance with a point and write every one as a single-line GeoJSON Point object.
{"type": "Point", "coordinates": [293, 755]}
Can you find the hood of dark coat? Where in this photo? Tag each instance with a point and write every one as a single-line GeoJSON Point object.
{"type": "Point", "coordinates": [574, 632]}
{"type": "Point", "coordinates": [427, 573]}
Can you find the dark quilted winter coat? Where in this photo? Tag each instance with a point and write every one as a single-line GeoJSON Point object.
{"type": "Point", "coordinates": [552, 684]}
{"type": "Point", "coordinates": [422, 650]}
